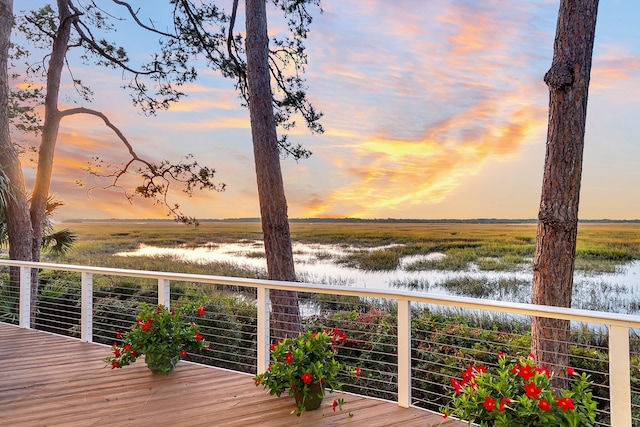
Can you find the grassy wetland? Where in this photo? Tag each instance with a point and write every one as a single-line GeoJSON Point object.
{"type": "Point", "coordinates": [601, 247]}
{"type": "Point", "coordinates": [484, 260]}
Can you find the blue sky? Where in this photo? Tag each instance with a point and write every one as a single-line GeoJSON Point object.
{"type": "Point", "coordinates": [431, 109]}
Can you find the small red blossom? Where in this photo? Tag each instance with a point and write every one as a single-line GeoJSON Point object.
{"type": "Point", "coordinates": [306, 378]}
{"type": "Point", "coordinates": [531, 390]}
{"type": "Point", "coordinates": [127, 347]}
{"type": "Point", "coordinates": [467, 375]}
{"type": "Point", "coordinates": [489, 403]}
{"type": "Point", "coordinates": [501, 354]}
{"type": "Point", "coordinates": [183, 353]}
{"type": "Point", "coordinates": [201, 311]}
{"type": "Point", "coordinates": [273, 346]}
{"type": "Point", "coordinates": [445, 415]}
{"type": "Point", "coordinates": [114, 365]}
{"type": "Point", "coordinates": [526, 372]}
{"type": "Point", "coordinates": [566, 403]}
{"type": "Point", "coordinates": [288, 358]}
{"type": "Point", "coordinates": [544, 405]}
{"type": "Point", "coordinates": [531, 356]}
{"type": "Point", "coordinates": [480, 369]}
{"type": "Point", "coordinates": [357, 371]}
{"type": "Point", "coordinates": [334, 405]}
{"type": "Point", "coordinates": [147, 325]}
{"type": "Point", "coordinates": [503, 402]}
{"type": "Point", "coordinates": [198, 336]}
{"type": "Point", "coordinates": [257, 381]}
{"type": "Point", "coordinates": [119, 335]}
{"type": "Point", "coordinates": [570, 371]}
{"type": "Point", "coordinates": [116, 352]}
{"type": "Point", "coordinates": [543, 370]}
{"type": "Point", "coordinates": [456, 385]}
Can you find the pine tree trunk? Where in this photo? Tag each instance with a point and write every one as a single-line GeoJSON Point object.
{"type": "Point", "coordinates": [553, 265]}
{"type": "Point", "coordinates": [273, 204]}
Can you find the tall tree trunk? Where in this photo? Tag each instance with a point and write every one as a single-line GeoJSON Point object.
{"type": "Point", "coordinates": [553, 265]}
{"type": "Point", "coordinates": [46, 151]}
{"type": "Point", "coordinates": [16, 211]}
{"type": "Point", "coordinates": [273, 204]}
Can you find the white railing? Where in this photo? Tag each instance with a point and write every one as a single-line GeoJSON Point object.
{"type": "Point", "coordinates": [618, 325]}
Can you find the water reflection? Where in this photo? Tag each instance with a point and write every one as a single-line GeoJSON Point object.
{"type": "Point", "coordinates": [316, 263]}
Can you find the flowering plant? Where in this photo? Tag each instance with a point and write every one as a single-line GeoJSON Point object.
{"type": "Point", "coordinates": [163, 336]}
{"type": "Point", "coordinates": [520, 394]}
{"type": "Point", "coordinates": [305, 366]}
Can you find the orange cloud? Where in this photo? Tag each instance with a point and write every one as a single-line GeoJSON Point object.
{"type": "Point", "coordinates": [390, 173]}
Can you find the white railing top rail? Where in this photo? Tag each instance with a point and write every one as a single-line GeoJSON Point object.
{"type": "Point", "coordinates": [614, 319]}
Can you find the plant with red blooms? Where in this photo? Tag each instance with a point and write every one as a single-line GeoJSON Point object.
{"type": "Point", "coordinates": [303, 363]}
{"type": "Point", "coordinates": [162, 336]}
{"type": "Point", "coordinates": [520, 394]}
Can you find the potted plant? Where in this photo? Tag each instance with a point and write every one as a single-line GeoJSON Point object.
{"type": "Point", "coordinates": [520, 394]}
{"type": "Point", "coordinates": [305, 367]}
{"type": "Point", "coordinates": [163, 336]}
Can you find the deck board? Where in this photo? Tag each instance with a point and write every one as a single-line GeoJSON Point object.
{"type": "Point", "coordinates": [50, 380]}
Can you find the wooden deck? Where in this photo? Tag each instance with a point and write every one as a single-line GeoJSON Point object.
{"type": "Point", "coordinates": [49, 380]}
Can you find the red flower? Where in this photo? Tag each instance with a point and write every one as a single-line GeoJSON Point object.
{"type": "Point", "coordinates": [114, 365]}
{"type": "Point", "coordinates": [201, 311]}
{"type": "Point", "coordinates": [119, 335]}
{"type": "Point", "coordinates": [257, 381]}
{"type": "Point", "coordinates": [526, 373]}
{"type": "Point", "coordinates": [334, 405]}
{"type": "Point", "coordinates": [531, 390]}
{"type": "Point", "coordinates": [306, 378]}
{"type": "Point", "coordinates": [183, 353]}
{"type": "Point", "coordinates": [503, 401]}
{"type": "Point", "coordinates": [544, 405]}
{"type": "Point", "coordinates": [288, 358]}
{"type": "Point", "coordinates": [147, 325]}
{"type": "Point", "coordinates": [273, 346]}
{"type": "Point", "coordinates": [565, 403]}
{"type": "Point", "coordinates": [570, 371]}
{"type": "Point", "coordinates": [116, 352]}
{"type": "Point", "coordinates": [127, 347]}
{"type": "Point", "coordinates": [480, 369]}
{"type": "Point", "coordinates": [445, 416]}
{"type": "Point", "coordinates": [467, 375]}
{"type": "Point", "coordinates": [457, 385]}
{"type": "Point", "coordinates": [489, 403]}
{"type": "Point", "coordinates": [198, 337]}
{"type": "Point", "coordinates": [357, 371]}
{"type": "Point", "coordinates": [543, 370]}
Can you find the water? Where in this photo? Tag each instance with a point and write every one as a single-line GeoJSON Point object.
{"type": "Point", "coordinates": [315, 263]}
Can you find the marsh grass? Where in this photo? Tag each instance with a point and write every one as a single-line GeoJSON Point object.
{"type": "Point", "coordinates": [601, 247]}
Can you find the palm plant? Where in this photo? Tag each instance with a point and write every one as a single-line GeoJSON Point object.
{"type": "Point", "coordinates": [54, 242]}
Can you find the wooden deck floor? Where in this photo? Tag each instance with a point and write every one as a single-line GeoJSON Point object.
{"type": "Point", "coordinates": [49, 380]}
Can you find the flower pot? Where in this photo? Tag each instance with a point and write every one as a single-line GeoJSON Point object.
{"type": "Point", "coordinates": [313, 400]}
{"type": "Point", "coordinates": [161, 365]}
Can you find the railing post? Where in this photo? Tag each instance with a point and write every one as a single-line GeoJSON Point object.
{"type": "Point", "coordinates": [263, 330]}
{"type": "Point", "coordinates": [164, 293]}
{"type": "Point", "coordinates": [24, 314]}
{"type": "Point", "coordinates": [619, 376]}
{"type": "Point", "coordinates": [404, 353]}
{"type": "Point", "coordinates": [86, 307]}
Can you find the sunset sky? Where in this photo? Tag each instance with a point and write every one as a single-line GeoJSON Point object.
{"type": "Point", "coordinates": [432, 109]}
